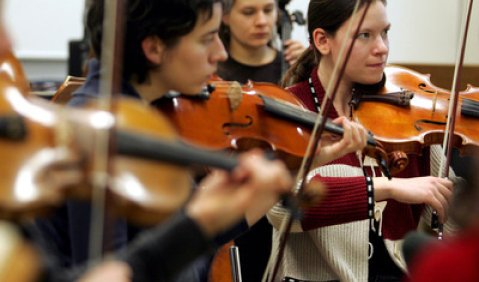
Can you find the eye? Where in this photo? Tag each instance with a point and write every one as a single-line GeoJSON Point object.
{"type": "Point", "coordinates": [248, 12]}
{"type": "Point", "coordinates": [385, 33]}
{"type": "Point", "coordinates": [208, 39]}
{"type": "Point", "coordinates": [364, 35]}
{"type": "Point", "coordinates": [269, 10]}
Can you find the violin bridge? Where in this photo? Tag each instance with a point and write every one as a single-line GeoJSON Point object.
{"type": "Point", "coordinates": [235, 95]}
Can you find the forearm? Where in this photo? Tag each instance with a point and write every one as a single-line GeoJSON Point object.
{"type": "Point", "coordinates": [382, 188]}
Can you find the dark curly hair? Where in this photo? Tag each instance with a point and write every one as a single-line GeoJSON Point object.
{"type": "Point", "coordinates": [169, 20]}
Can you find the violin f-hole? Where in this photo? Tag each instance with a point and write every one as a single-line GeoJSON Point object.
{"type": "Point", "coordinates": [229, 125]}
{"type": "Point", "coordinates": [419, 128]}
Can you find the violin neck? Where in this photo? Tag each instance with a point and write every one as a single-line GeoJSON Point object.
{"type": "Point", "coordinates": [306, 118]}
{"type": "Point", "coordinates": [181, 154]}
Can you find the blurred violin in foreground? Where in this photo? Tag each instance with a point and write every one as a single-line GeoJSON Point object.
{"type": "Point", "coordinates": [48, 150]}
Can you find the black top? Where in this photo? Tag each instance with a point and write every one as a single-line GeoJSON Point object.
{"type": "Point", "coordinates": [255, 245]}
{"type": "Point", "coordinates": [157, 254]}
{"type": "Point", "coordinates": [232, 70]}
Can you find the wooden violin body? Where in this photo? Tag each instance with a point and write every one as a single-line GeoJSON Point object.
{"type": "Point", "coordinates": [49, 158]}
{"type": "Point", "coordinates": [20, 260]}
{"type": "Point", "coordinates": [232, 117]}
{"type": "Point", "coordinates": [12, 70]}
{"type": "Point", "coordinates": [420, 121]}
{"type": "Point", "coordinates": [239, 117]}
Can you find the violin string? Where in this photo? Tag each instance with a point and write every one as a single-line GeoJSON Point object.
{"type": "Point", "coordinates": [313, 142]}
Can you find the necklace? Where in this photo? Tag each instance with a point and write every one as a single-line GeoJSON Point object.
{"type": "Point", "coordinates": [313, 94]}
{"type": "Point", "coordinates": [316, 100]}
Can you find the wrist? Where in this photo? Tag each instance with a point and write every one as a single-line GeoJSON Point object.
{"type": "Point", "coordinates": [382, 189]}
{"type": "Point", "coordinates": [202, 219]}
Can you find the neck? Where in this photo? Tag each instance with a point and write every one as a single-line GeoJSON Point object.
{"type": "Point", "coordinates": [251, 56]}
{"type": "Point", "coordinates": [343, 94]}
{"type": "Point", "coordinates": [150, 90]}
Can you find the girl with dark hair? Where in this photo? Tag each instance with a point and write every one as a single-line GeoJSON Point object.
{"type": "Point", "coordinates": [169, 45]}
{"type": "Point", "coordinates": [355, 234]}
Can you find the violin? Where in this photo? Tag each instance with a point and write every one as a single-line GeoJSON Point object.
{"type": "Point", "coordinates": [239, 117]}
{"type": "Point", "coordinates": [12, 70]}
{"type": "Point", "coordinates": [285, 26]}
{"type": "Point", "coordinates": [50, 159]}
{"type": "Point", "coordinates": [410, 113]}
{"type": "Point", "coordinates": [20, 261]}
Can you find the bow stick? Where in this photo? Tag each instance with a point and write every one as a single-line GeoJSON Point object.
{"type": "Point", "coordinates": [110, 81]}
{"type": "Point", "coordinates": [451, 117]}
{"type": "Point", "coordinates": [318, 129]}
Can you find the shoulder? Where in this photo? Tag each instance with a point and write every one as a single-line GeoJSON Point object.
{"type": "Point", "coordinates": [89, 90]}
{"type": "Point", "coordinates": [299, 87]}
{"type": "Point", "coordinates": [301, 90]}
{"type": "Point", "coordinates": [86, 93]}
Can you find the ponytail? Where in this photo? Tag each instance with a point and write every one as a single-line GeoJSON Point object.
{"type": "Point", "coordinates": [301, 70]}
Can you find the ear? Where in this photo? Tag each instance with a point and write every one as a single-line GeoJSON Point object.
{"type": "Point", "coordinates": [154, 49]}
{"type": "Point", "coordinates": [321, 41]}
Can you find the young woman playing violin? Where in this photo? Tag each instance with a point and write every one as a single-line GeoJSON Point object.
{"type": "Point", "coordinates": [174, 45]}
{"type": "Point", "coordinates": [351, 236]}
{"type": "Point", "coordinates": [247, 30]}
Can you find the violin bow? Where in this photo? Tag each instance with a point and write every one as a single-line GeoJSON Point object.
{"type": "Point", "coordinates": [110, 82]}
{"type": "Point", "coordinates": [317, 131]}
{"type": "Point", "coordinates": [451, 117]}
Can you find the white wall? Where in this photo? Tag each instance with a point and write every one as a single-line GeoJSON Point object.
{"type": "Point", "coordinates": [423, 31]}
{"type": "Point", "coordinates": [40, 30]}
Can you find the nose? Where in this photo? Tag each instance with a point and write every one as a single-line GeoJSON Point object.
{"type": "Point", "coordinates": [261, 18]}
{"type": "Point", "coordinates": [381, 46]}
{"type": "Point", "coordinates": [218, 53]}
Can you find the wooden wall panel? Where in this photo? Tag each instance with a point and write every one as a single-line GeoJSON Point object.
{"type": "Point", "coordinates": [441, 75]}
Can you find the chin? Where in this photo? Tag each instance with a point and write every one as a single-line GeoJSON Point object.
{"type": "Point", "coordinates": [372, 78]}
{"type": "Point", "coordinates": [193, 90]}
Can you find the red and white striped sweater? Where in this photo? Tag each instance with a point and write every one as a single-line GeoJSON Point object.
{"type": "Point", "coordinates": [332, 240]}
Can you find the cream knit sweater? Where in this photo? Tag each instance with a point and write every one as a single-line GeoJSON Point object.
{"type": "Point", "coordinates": [338, 252]}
